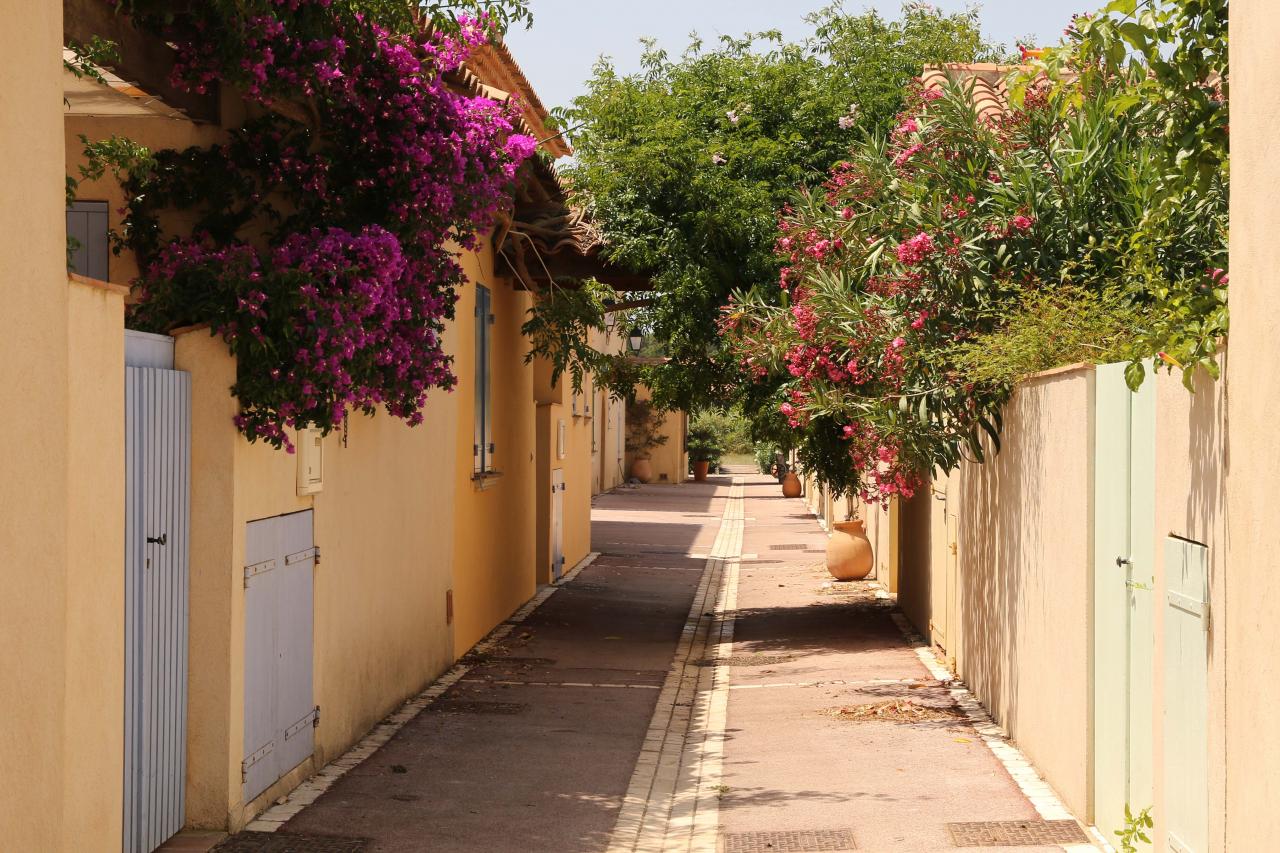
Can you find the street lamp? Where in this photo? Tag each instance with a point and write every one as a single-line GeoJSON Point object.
{"type": "Point", "coordinates": [636, 340]}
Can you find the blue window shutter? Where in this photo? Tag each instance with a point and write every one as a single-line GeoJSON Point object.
{"type": "Point", "coordinates": [481, 379]}
{"type": "Point", "coordinates": [87, 225]}
{"type": "Point", "coordinates": [491, 448]}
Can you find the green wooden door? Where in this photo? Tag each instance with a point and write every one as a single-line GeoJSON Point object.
{"type": "Point", "coordinates": [1186, 662]}
{"type": "Point", "coordinates": [1123, 574]}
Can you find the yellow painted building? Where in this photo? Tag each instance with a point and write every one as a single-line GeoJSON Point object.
{"type": "Point", "coordinates": [669, 461]}
{"type": "Point", "coordinates": [406, 570]}
{"type": "Point", "coordinates": [61, 496]}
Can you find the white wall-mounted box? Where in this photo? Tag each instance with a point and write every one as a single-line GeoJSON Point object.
{"type": "Point", "coordinates": [310, 461]}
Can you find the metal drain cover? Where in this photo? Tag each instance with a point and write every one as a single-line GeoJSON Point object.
{"type": "Point", "coordinates": [280, 842]}
{"type": "Point", "coordinates": [793, 841]}
{"type": "Point", "coordinates": [747, 660]}
{"type": "Point", "coordinates": [462, 706]}
{"type": "Point", "coordinates": [796, 546]}
{"type": "Point", "coordinates": [519, 661]}
{"type": "Point", "coordinates": [1016, 833]}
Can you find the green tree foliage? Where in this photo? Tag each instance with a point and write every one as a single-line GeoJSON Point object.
{"type": "Point", "coordinates": [686, 164]}
{"type": "Point", "coordinates": [729, 425]}
{"type": "Point", "coordinates": [1172, 58]}
{"type": "Point", "coordinates": [935, 270]}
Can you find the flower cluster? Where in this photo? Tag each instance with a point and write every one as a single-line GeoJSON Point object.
{"type": "Point", "coordinates": [375, 170]}
{"type": "Point", "coordinates": [879, 286]}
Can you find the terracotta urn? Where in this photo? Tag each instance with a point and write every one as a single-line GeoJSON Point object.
{"type": "Point", "coordinates": [791, 485]}
{"type": "Point", "coordinates": [849, 556]}
{"type": "Point", "coordinates": [700, 469]}
{"type": "Point", "coordinates": [642, 469]}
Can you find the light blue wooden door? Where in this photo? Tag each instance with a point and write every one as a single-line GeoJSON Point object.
{"type": "Point", "coordinates": [1123, 571]}
{"type": "Point", "coordinates": [279, 712]}
{"type": "Point", "coordinates": [1186, 662]}
{"type": "Point", "coordinates": [157, 501]}
{"type": "Point", "coordinates": [557, 524]}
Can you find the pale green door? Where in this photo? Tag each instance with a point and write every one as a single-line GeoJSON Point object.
{"type": "Point", "coordinates": [1186, 705]}
{"type": "Point", "coordinates": [1123, 576]}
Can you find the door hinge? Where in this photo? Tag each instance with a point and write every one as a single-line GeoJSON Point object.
{"type": "Point", "coordinates": [315, 722]}
{"type": "Point", "coordinates": [254, 758]}
{"type": "Point", "coordinates": [257, 569]}
{"type": "Point", "coordinates": [1187, 604]}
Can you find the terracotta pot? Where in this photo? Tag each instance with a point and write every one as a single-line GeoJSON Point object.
{"type": "Point", "coordinates": [791, 487]}
{"type": "Point", "coordinates": [849, 556]}
{"type": "Point", "coordinates": [642, 470]}
{"type": "Point", "coordinates": [700, 469]}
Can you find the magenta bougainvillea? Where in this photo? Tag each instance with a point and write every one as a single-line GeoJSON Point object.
{"type": "Point", "coordinates": [321, 238]}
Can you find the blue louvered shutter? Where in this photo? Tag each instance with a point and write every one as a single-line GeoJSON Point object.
{"type": "Point", "coordinates": [87, 227]}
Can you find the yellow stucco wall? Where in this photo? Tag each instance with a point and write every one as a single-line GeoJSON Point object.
{"type": "Point", "coordinates": [494, 574]}
{"type": "Point", "coordinates": [156, 134]}
{"type": "Point", "coordinates": [669, 461]}
{"type": "Point", "coordinates": [575, 466]}
{"type": "Point", "coordinates": [95, 568]}
{"type": "Point", "coordinates": [611, 423]}
{"type": "Point", "coordinates": [1252, 585]}
{"type": "Point", "coordinates": [34, 359]}
{"type": "Point", "coordinates": [384, 524]}
{"type": "Point", "coordinates": [61, 484]}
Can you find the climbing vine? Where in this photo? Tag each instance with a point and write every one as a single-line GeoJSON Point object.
{"type": "Point", "coordinates": [320, 239]}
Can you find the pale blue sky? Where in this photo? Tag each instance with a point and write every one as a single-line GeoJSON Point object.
{"type": "Point", "coordinates": [568, 35]}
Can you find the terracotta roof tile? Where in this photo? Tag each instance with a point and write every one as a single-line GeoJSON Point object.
{"type": "Point", "coordinates": [493, 66]}
{"type": "Point", "coordinates": [989, 81]}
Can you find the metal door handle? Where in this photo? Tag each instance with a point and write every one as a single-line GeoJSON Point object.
{"type": "Point", "coordinates": [1121, 562]}
{"type": "Point", "coordinates": [162, 539]}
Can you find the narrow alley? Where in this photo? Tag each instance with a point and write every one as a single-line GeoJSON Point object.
{"type": "Point", "coordinates": [698, 685]}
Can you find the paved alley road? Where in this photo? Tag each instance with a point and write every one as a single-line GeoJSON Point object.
{"type": "Point", "coordinates": [694, 688]}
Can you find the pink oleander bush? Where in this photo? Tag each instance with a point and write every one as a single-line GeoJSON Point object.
{"type": "Point", "coordinates": [922, 250]}
{"type": "Point", "coordinates": [320, 240]}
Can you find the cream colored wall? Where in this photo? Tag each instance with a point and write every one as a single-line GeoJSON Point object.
{"type": "Point", "coordinates": [914, 571]}
{"type": "Point", "coordinates": [384, 525]}
{"type": "Point", "coordinates": [1252, 584]}
{"type": "Point", "coordinates": [61, 491]}
{"type": "Point", "coordinates": [1025, 560]}
{"type": "Point", "coordinates": [1191, 504]}
{"type": "Point", "coordinates": [877, 521]}
{"type": "Point", "coordinates": [493, 575]}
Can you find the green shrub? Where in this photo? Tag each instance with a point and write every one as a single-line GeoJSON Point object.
{"type": "Point", "coordinates": [704, 445]}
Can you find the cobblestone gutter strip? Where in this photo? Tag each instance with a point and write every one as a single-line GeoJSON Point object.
{"type": "Point", "coordinates": [672, 803]}
{"type": "Point", "coordinates": [309, 791]}
{"type": "Point", "coordinates": [1046, 801]}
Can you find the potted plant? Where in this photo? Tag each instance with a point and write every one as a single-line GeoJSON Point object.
{"type": "Point", "coordinates": [705, 449]}
{"type": "Point", "coordinates": [643, 423]}
{"type": "Point", "coordinates": [849, 553]}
